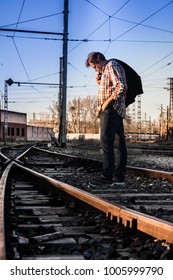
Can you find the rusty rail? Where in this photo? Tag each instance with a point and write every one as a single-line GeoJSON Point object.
{"type": "Point", "coordinates": [151, 172]}
{"type": "Point", "coordinates": [155, 227]}
{"type": "Point", "coordinates": [3, 183]}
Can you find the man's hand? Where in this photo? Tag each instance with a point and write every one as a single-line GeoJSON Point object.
{"type": "Point", "coordinates": [102, 107]}
{"type": "Point", "coordinates": [98, 111]}
{"type": "Point", "coordinates": [106, 103]}
{"type": "Point", "coordinates": [98, 78]}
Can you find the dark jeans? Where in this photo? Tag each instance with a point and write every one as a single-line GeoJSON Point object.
{"type": "Point", "coordinates": [112, 140]}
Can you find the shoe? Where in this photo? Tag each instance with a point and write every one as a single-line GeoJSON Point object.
{"type": "Point", "coordinates": [118, 182]}
{"type": "Point", "coordinates": [102, 181]}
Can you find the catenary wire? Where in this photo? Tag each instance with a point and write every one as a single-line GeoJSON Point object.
{"type": "Point", "coordinates": [102, 24]}
{"type": "Point", "coordinates": [159, 10]}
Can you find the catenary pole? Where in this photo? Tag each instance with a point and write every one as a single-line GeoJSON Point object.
{"type": "Point", "coordinates": [5, 112]}
{"type": "Point", "coordinates": [64, 87]}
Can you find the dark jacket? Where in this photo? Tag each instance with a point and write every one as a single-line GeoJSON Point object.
{"type": "Point", "coordinates": [134, 83]}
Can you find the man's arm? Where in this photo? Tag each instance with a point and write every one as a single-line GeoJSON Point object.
{"type": "Point", "coordinates": [119, 83]}
{"type": "Point", "coordinates": [106, 103]}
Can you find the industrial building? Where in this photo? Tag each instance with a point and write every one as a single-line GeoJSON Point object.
{"type": "Point", "coordinates": [16, 126]}
{"type": "Point", "coordinates": [17, 129]}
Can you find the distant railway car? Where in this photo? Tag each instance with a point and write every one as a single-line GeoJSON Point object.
{"type": "Point", "coordinates": [133, 136]}
{"type": "Point", "coordinates": [35, 133]}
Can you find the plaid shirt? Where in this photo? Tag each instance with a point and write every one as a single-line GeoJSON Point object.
{"type": "Point", "coordinates": [113, 82]}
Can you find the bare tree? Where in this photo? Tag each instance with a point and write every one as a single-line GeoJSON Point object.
{"type": "Point", "coordinates": [54, 111]}
{"type": "Point", "coordinates": [82, 115]}
{"type": "Point", "coordinates": [73, 116]}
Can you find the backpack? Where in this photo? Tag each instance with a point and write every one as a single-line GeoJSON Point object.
{"type": "Point", "coordinates": [134, 83]}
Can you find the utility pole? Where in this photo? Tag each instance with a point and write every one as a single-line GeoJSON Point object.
{"type": "Point", "coordinates": [60, 99]}
{"type": "Point", "coordinates": [64, 78]}
{"type": "Point", "coordinates": [5, 111]}
{"type": "Point", "coordinates": [167, 123]}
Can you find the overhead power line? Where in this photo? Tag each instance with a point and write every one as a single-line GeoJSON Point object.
{"type": "Point", "coordinates": [143, 20]}
{"type": "Point", "coordinates": [156, 62]}
{"type": "Point", "coordinates": [168, 64]}
{"type": "Point", "coordinates": [129, 21]}
{"type": "Point", "coordinates": [33, 19]}
{"type": "Point", "coordinates": [103, 23]}
{"type": "Point", "coordinates": [19, 16]}
{"type": "Point", "coordinates": [91, 40]}
{"type": "Point", "coordinates": [30, 31]}
{"type": "Point", "coordinates": [144, 25]}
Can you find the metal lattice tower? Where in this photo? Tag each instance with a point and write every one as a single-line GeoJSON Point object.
{"type": "Point", "coordinates": [134, 113]}
{"type": "Point", "coordinates": [77, 114]}
{"type": "Point", "coordinates": [139, 116]}
{"type": "Point", "coordinates": [171, 96]}
{"type": "Point", "coordinates": [150, 125]}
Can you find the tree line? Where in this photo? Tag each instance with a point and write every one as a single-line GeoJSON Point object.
{"type": "Point", "coordinates": [81, 118]}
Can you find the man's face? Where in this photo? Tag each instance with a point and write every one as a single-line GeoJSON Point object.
{"type": "Point", "coordinates": [96, 67]}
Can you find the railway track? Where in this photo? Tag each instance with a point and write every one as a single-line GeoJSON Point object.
{"type": "Point", "coordinates": [78, 171]}
{"type": "Point", "coordinates": [39, 183]}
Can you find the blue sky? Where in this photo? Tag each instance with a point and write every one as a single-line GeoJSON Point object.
{"type": "Point", "coordinates": [139, 32]}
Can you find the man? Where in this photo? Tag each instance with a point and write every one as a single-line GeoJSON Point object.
{"type": "Point", "coordinates": [111, 109]}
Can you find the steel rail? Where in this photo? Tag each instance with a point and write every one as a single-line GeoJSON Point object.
{"type": "Point", "coordinates": [151, 172]}
{"type": "Point", "coordinates": [2, 155]}
{"type": "Point", "coordinates": [17, 159]}
{"type": "Point", "coordinates": [155, 227]}
{"type": "Point", "coordinates": [138, 170]}
{"type": "Point", "coordinates": [3, 183]}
